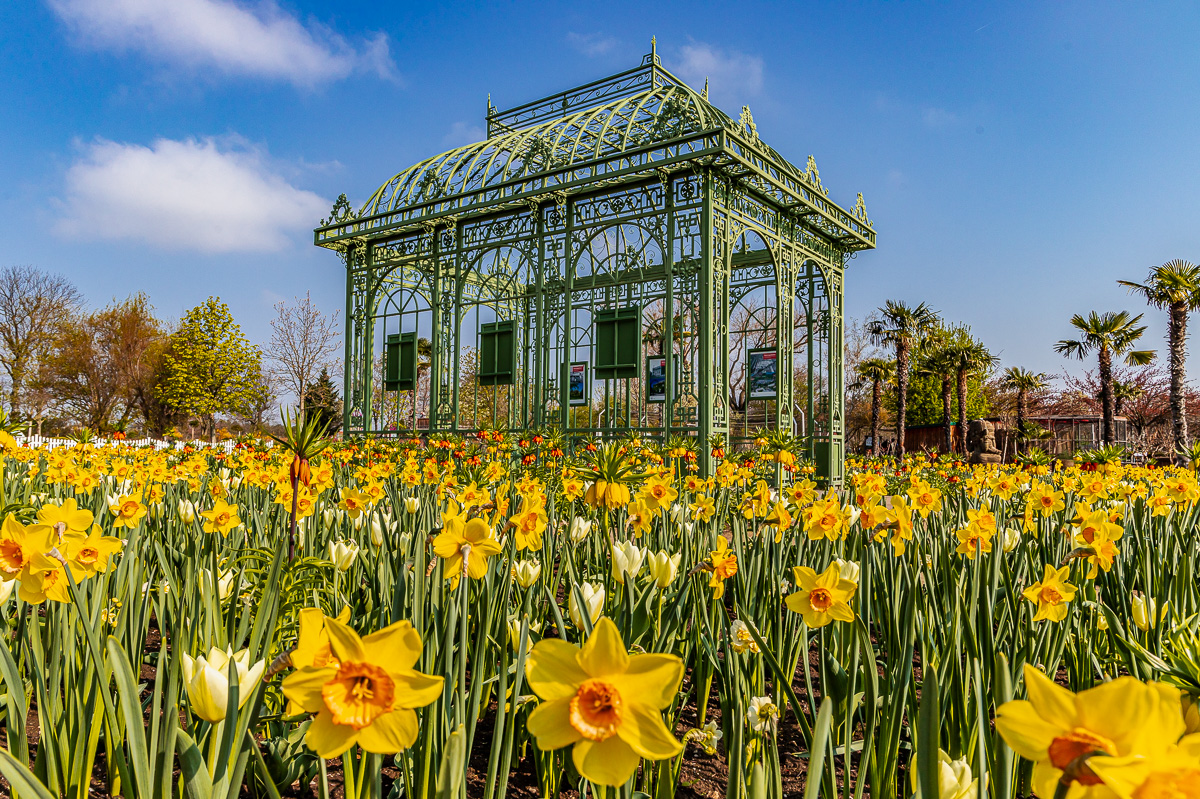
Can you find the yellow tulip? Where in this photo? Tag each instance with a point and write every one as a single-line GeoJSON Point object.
{"type": "Point", "coordinates": [603, 702]}
{"type": "Point", "coordinates": [368, 698]}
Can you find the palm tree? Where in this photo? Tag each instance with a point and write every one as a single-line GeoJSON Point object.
{"type": "Point", "coordinates": [936, 359]}
{"type": "Point", "coordinates": [878, 372]}
{"type": "Point", "coordinates": [902, 327]}
{"type": "Point", "coordinates": [967, 357]}
{"type": "Point", "coordinates": [1122, 392]}
{"type": "Point", "coordinates": [1107, 334]}
{"type": "Point", "coordinates": [1175, 286]}
{"type": "Point", "coordinates": [1024, 382]}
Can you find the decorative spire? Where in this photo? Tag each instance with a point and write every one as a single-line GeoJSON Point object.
{"type": "Point", "coordinates": [746, 122]}
{"type": "Point", "coordinates": [706, 87]}
{"type": "Point", "coordinates": [860, 211]}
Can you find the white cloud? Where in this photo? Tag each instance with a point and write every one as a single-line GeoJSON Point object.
{"type": "Point", "coordinates": [939, 118]}
{"type": "Point", "coordinates": [591, 44]}
{"type": "Point", "coordinates": [200, 195]}
{"type": "Point", "coordinates": [732, 76]}
{"type": "Point", "coordinates": [461, 133]}
{"type": "Point", "coordinates": [263, 41]}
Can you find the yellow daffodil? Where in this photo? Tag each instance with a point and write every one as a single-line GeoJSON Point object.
{"type": "Point", "coordinates": [723, 563]}
{"type": "Point", "coordinates": [603, 702]}
{"type": "Point", "coordinates": [222, 518]}
{"type": "Point", "coordinates": [822, 598]}
{"type": "Point", "coordinates": [1052, 594]}
{"type": "Point", "coordinates": [464, 540]}
{"type": "Point", "coordinates": [127, 511]}
{"type": "Point", "coordinates": [657, 494]}
{"type": "Point", "coordinates": [529, 524]}
{"type": "Point", "coordinates": [68, 514]}
{"type": "Point", "coordinates": [1067, 734]}
{"type": "Point", "coordinates": [368, 698]}
{"type": "Point", "coordinates": [20, 544]}
{"type": "Point", "coordinates": [354, 502]}
{"type": "Point", "coordinates": [89, 554]}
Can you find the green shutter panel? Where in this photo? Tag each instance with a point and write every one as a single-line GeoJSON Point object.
{"type": "Point", "coordinates": [497, 353]}
{"type": "Point", "coordinates": [617, 352]}
{"type": "Point", "coordinates": [400, 363]}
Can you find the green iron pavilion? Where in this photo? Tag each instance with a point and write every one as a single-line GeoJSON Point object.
{"type": "Point", "coordinates": [618, 257]}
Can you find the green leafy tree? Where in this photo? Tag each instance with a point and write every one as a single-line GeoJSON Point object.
{"type": "Point", "coordinates": [210, 367]}
{"type": "Point", "coordinates": [323, 404]}
{"type": "Point", "coordinates": [1174, 286]}
{"type": "Point", "coordinates": [1108, 335]}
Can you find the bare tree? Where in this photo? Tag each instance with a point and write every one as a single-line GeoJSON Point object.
{"type": "Point", "coordinates": [303, 341]}
{"type": "Point", "coordinates": [32, 305]}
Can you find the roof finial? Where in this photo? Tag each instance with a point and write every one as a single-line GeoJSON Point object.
{"type": "Point", "coordinates": [653, 45]}
{"type": "Point", "coordinates": [706, 87]}
{"type": "Point", "coordinates": [489, 103]}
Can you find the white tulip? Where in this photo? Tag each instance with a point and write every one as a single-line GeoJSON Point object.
{"type": "Point", "coordinates": [663, 567]}
{"type": "Point", "coordinates": [848, 569]}
{"type": "Point", "coordinates": [376, 532]}
{"type": "Point", "coordinates": [954, 778]}
{"type": "Point", "coordinates": [412, 505]}
{"type": "Point", "coordinates": [187, 511]}
{"type": "Point", "coordinates": [580, 529]}
{"type": "Point", "coordinates": [342, 554]}
{"type": "Point", "coordinates": [627, 560]}
{"type": "Point", "coordinates": [593, 599]}
{"type": "Point", "coordinates": [207, 681]}
{"type": "Point", "coordinates": [1012, 537]}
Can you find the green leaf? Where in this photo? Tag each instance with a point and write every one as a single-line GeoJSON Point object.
{"type": "Point", "coordinates": [820, 743]}
{"type": "Point", "coordinates": [192, 767]}
{"type": "Point", "coordinates": [131, 710]}
{"type": "Point", "coordinates": [450, 774]}
{"type": "Point", "coordinates": [929, 724]}
{"type": "Point", "coordinates": [23, 783]}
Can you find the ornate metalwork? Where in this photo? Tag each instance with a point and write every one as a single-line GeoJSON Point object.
{"type": "Point", "coordinates": [631, 191]}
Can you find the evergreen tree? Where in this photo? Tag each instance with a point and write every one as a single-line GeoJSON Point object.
{"type": "Point", "coordinates": [323, 404]}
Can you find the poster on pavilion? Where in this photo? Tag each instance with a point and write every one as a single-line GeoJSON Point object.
{"type": "Point", "coordinates": [762, 373]}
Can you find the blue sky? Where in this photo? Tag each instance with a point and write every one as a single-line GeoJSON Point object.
{"type": "Point", "coordinates": [1017, 159]}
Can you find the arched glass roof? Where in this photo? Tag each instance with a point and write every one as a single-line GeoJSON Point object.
{"type": "Point", "coordinates": [658, 114]}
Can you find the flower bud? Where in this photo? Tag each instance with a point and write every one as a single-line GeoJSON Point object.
{"type": "Point", "coordinates": [187, 511]}
{"type": "Point", "coordinates": [1145, 611]}
{"type": "Point", "coordinates": [412, 505]}
{"type": "Point", "coordinates": [663, 567]}
{"type": "Point", "coordinates": [376, 532]}
{"type": "Point", "coordinates": [1012, 537]}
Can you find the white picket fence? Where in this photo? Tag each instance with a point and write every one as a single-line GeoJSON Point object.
{"type": "Point", "coordinates": [46, 442]}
